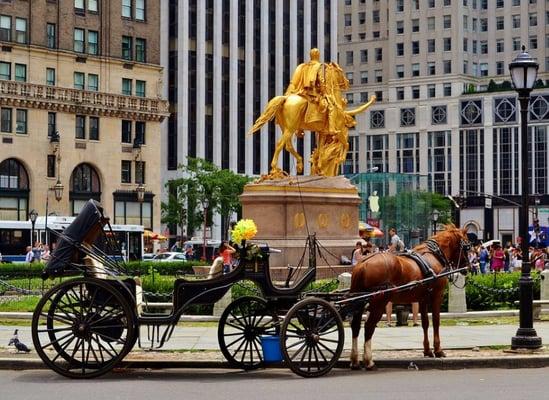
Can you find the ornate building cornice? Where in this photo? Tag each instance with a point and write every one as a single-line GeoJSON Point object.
{"type": "Point", "coordinates": [75, 101]}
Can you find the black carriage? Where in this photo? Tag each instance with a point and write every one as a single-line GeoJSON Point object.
{"type": "Point", "coordinates": [84, 326]}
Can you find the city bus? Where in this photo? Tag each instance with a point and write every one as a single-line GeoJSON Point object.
{"type": "Point", "coordinates": [15, 236]}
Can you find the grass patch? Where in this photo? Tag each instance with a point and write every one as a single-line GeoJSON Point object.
{"type": "Point", "coordinates": [15, 322]}
{"type": "Point", "coordinates": [479, 321]}
{"type": "Point", "coordinates": [26, 304]}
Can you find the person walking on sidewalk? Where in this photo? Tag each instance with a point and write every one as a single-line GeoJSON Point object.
{"type": "Point", "coordinates": [483, 259]}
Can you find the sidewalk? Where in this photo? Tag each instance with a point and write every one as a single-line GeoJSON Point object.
{"type": "Point", "coordinates": [393, 347]}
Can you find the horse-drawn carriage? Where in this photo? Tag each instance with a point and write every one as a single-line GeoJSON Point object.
{"type": "Point", "coordinates": [84, 326]}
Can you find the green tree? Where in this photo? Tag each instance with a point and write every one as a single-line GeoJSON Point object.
{"type": "Point", "coordinates": [203, 181]}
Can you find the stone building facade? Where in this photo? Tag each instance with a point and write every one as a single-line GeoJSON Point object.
{"type": "Point", "coordinates": [445, 107]}
{"type": "Point", "coordinates": [81, 103]}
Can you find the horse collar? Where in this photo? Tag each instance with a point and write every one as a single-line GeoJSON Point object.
{"type": "Point", "coordinates": [438, 253]}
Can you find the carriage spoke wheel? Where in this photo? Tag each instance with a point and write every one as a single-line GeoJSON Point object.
{"type": "Point", "coordinates": [240, 328]}
{"type": "Point", "coordinates": [312, 337]}
{"type": "Point", "coordinates": [82, 328]}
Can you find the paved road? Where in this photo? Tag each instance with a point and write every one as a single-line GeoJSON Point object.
{"type": "Point", "coordinates": [396, 338]}
{"type": "Point", "coordinates": [484, 384]}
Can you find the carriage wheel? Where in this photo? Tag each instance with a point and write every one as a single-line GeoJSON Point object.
{"type": "Point", "coordinates": [312, 337]}
{"type": "Point", "coordinates": [240, 328]}
{"type": "Point", "coordinates": [82, 328]}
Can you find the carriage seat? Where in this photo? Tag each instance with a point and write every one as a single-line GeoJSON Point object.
{"type": "Point", "coordinates": [96, 269]}
{"type": "Point", "coordinates": [216, 269]}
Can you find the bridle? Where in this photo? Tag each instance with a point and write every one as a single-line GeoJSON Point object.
{"type": "Point", "coordinates": [464, 248]}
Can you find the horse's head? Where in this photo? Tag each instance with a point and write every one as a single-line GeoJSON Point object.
{"type": "Point", "coordinates": [455, 244]}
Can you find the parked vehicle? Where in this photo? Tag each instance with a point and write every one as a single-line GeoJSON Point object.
{"type": "Point", "coordinates": [169, 256]}
{"type": "Point", "coordinates": [148, 256]}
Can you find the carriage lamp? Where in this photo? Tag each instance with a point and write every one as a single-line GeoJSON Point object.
{"type": "Point", "coordinates": [524, 70]}
{"type": "Point", "coordinates": [435, 214]}
{"type": "Point", "coordinates": [140, 191]}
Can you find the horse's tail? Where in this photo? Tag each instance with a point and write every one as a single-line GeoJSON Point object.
{"type": "Point", "coordinates": [269, 113]}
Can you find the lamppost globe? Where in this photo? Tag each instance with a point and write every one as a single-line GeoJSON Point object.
{"type": "Point", "coordinates": [33, 215]}
{"type": "Point", "coordinates": [140, 191]}
{"type": "Point", "coordinates": [434, 215]}
{"type": "Point", "coordinates": [58, 190]}
{"type": "Point", "coordinates": [524, 70]}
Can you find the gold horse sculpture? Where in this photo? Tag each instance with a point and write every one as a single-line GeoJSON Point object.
{"type": "Point", "coordinates": [313, 102]}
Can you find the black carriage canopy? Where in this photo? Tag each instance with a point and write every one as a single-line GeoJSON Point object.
{"type": "Point", "coordinates": [85, 228]}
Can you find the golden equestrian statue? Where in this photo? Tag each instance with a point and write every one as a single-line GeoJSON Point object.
{"type": "Point", "coordinates": [313, 102]}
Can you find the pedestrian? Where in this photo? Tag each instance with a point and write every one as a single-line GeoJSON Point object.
{"type": "Point", "coordinates": [226, 251]}
{"type": "Point", "coordinates": [356, 257]}
{"type": "Point", "coordinates": [507, 260]}
{"type": "Point", "coordinates": [483, 259]}
{"type": "Point", "coordinates": [45, 257]}
{"type": "Point", "coordinates": [498, 258]}
{"type": "Point", "coordinates": [29, 257]}
{"type": "Point", "coordinates": [473, 261]}
{"type": "Point", "coordinates": [37, 250]}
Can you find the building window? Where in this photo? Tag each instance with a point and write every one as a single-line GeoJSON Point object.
{"type": "Point", "coordinates": [431, 23]}
{"type": "Point", "coordinates": [132, 212]}
{"type": "Point", "coordinates": [349, 57]}
{"type": "Point", "coordinates": [447, 22]}
{"type": "Point", "coordinates": [50, 168]}
{"type": "Point", "coordinates": [447, 44]}
{"type": "Point", "coordinates": [14, 185]}
{"type": "Point", "coordinates": [79, 80]}
{"type": "Point", "coordinates": [21, 30]}
{"type": "Point", "coordinates": [505, 110]}
{"type": "Point", "coordinates": [377, 119]}
{"type": "Point", "coordinates": [378, 75]}
{"type": "Point", "coordinates": [127, 47]}
{"type": "Point", "coordinates": [400, 27]}
{"type": "Point", "coordinates": [21, 121]}
{"type": "Point", "coordinates": [126, 131]}
{"type": "Point", "coordinates": [78, 40]}
{"type": "Point", "coordinates": [51, 33]}
{"type": "Point", "coordinates": [140, 10]}
{"type": "Point", "coordinates": [5, 120]}
{"type": "Point", "coordinates": [5, 70]}
{"type": "Point", "coordinates": [5, 28]}
{"type": "Point", "coordinates": [415, 69]}
{"type": "Point", "coordinates": [407, 117]}
{"type": "Point", "coordinates": [348, 20]}
{"type": "Point", "coordinates": [415, 92]}
{"type": "Point", "coordinates": [140, 132]}
{"type": "Point", "coordinates": [439, 161]}
{"type": "Point", "coordinates": [379, 95]}
{"type": "Point", "coordinates": [431, 91]}
{"type": "Point", "coordinates": [93, 42]}
{"type": "Point", "coordinates": [400, 71]}
{"type": "Point", "coordinates": [363, 77]}
{"type": "Point", "coordinates": [80, 127]}
{"type": "Point", "coordinates": [516, 44]}
{"type": "Point", "coordinates": [126, 172]}
{"type": "Point", "coordinates": [79, 6]}
{"type": "Point", "coordinates": [140, 88]}
{"type": "Point", "coordinates": [516, 21]}
{"type": "Point", "coordinates": [363, 97]}
{"type": "Point", "coordinates": [20, 72]}
{"type": "Point", "coordinates": [127, 8]}
{"type": "Point", "coordinates": [400, 93]}
{"type": "Point", "coordinates": [471, 112]}
{"type": "Point", "coordinates": [399, 5]}
{"type": "Point", "coordinates": [379, 54]}
{"type": "Point", "coordinates": [533, 19]}
{"type": "Point", "coordinates": [500, 68]}
{"type": "Point", "coordinates": [363, 56]}
{"type": "Point", "coordinates": [126, 86]}
{"type": "Point", "coordinates": [399, 49]}
{"type": "Point", "coordinates": [348, 75]}
{"type": "Point", "coordinates": [50, 76]}
{"type": "Point", "coordinates": [431, 45]}
{"type": "Point", "coordinates": [84, 184]}
{"type": "Point", "coordinates": [533, 40]}
{"type": "Point", "coordinates": [415, 47]}
{"type": "Point", "coordinates": [377, 154]}
{"type": "Point", "coordinates": [431, 69]}
{"type": "Point", "coordinates": [93, 6]}
{"type": "Point", "coordinates": [500, 23]}
{"type": "Point", "coordinates": [93, 82]}
{"type": "Point", "coordinates": [438, 115]}
{"type": "Point", "coordinates": [94, 128]}
{"type": "Point", "coordinates": [407, 152]}
{"type": "Point", "coordinates": [52, 124]}
{"type": "Point", "coordinates": [447, 66]}
{"type": "Point", "coordinates": [500, 46]}
{"type": "Point", "coordinates": [415, 25]}
{"type": "Point", "coordinates": [447, 89]}
{"type": "Point", "coordinates": [140, 50]}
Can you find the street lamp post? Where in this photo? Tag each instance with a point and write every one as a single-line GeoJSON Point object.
{"type": "Point", "coordinates": [524, 71]}
{"type": "Point", "coordinates": [205, 205]}
{"type": "Point", "coordinates": [435, 214]}
{"type": "Point", "coordinates": [32, 216]}
{"type": "Point", "coordinates": [58, 187]}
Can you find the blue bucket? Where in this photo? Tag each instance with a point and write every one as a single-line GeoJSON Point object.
{"type": "Point", "coordinates": [271, 348]}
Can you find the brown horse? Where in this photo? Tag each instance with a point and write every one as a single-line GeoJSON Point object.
{"type": "Point", "coordinates": [444, 251]}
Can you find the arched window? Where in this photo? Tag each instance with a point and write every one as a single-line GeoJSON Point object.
{"type": "Point", "coordinates": [85, 185]}
{"type": "Point", "coordinates": [14, 190]}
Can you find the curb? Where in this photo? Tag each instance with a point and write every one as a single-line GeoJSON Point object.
{"type": "Point", "coordinates": [508, 362]}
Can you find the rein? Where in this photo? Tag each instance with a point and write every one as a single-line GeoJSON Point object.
{"type": "Point", "coordinates": [435, 249]}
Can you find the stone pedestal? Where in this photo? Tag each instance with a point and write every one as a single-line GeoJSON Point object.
{"type": "Point", "coordinates": [456, 295]}
{"type": "Point", "coordinates": [222, 304]}
{"type": "Point", "coordinates": [286, 211]}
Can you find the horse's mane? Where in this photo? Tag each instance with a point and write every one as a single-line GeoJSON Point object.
{"type": "Point", "coordinates": [450, 234]}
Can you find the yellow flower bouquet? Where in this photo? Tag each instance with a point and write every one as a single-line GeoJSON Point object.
{"type": "Point", "coordinates": [244, 229]}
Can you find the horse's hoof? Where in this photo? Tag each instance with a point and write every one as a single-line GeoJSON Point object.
{"type": "Point", "coordinates": [440, 354]}
{"type": "Point", "coordinates": [355, 367]}
{"type": "Point", "coordinates": [428, 354]}
{"type": "Point", "coordinates": [372, 367]}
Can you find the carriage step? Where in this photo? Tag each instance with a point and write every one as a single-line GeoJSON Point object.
{"type": "Point", "coordinates": [155, 335]}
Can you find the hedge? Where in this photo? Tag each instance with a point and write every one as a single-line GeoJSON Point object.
{"type": "Point", "coordinates": [25, 270]}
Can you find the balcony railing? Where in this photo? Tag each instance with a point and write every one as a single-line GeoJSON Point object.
{"type": "Point", "coordinates": [31, 95]}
